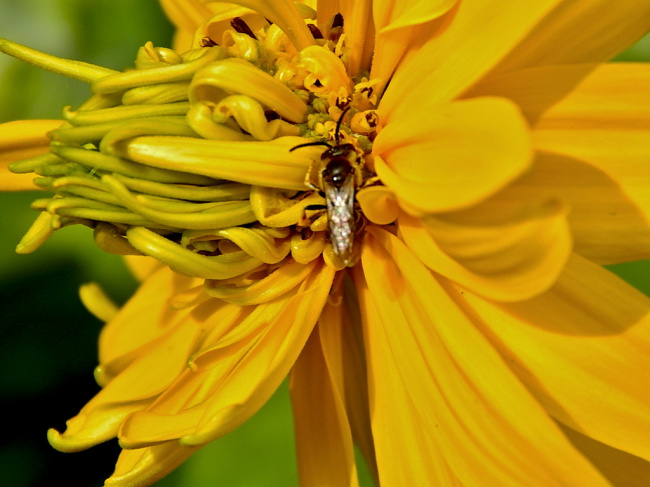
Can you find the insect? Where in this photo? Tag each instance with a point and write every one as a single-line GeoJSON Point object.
{"type": "Point", "coordinates": [338, 180]}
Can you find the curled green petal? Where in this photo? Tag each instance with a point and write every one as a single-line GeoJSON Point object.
{"type": "Point", "coordinates": [201, 119]}
{"type": "Point", "coordinates": [307, 246]}
{"type": "Point", "coordinates": [154, 76]}
{"type": "Point", "coordinates": [66, 67]}
{"type": "Point", "coordinates": [190, 263]}
{"type": "Point", "coordinates": [97, 161]}
{"type": "Point", "coordinates": [250, 116]}
{"type": "Point", "coordinates": [123, 113]}
{"type": "Point", "coordinates": [31, 165]}
{"type": "Point", "coordinates": [263, 163]}
{"type": "Point", "coordinates": [42, 228]}
{"type": "Point", "coordinates": [277, 208]}
{"type": "Point", "coordinates": [218, 192]}
{"type": "Point", "coordinates": [219, 215]}
{"type": "Point", "coordinates": [151, 126]}
{"type": "Point", "coordinates": [236, 76]}
{"type": "Point", "coordinates": [257, 243]}
{"type": "Point", "coordinates": [157, 94]}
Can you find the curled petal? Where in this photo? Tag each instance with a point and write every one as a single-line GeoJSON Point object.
{"type": "Point", "coordinates": [201, 119]}
{"type": "Point", "coordinates": [378, 204]}
{"type": "Point", "coordinates": [327, 72]}
{"type": "Point", "coordinates": [236, 76]}
{"type": "Point", "coordinates": [275, 208]}
{"type": "Point", "coordinates": [153, 76]}
{"type": "Point", "coordinates": [592, 128]}
{"type": "Point", "coordinates": [215, 215]}
{"type": "Point", "coordinates": [510, 259]}
{"type": "Point", "coordinates": [216, 26]}
{"type": "Point", "coordinates": [42, 229]}
{"type": "Point", "coordinates": [250, 116]}
{"type": "Point", "coordinates": [123, 113]}
{"type": "Point", "coordinates": [188, 262]}
{"type": "Point", "coordinates": [65, 67]}
{"type": "Point", "coordinates": [268, 164]}
{"type": "Point", "coordinates": [307, 246]}
{"type": "Point", "coordinates": [453, 156]}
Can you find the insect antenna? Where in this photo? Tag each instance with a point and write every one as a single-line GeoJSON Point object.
{"type": "Point", "coordinates": [326, 144]}
{"type": "Point", "coordinates": [338, 124]}
{"type": "Point", "coordinates": [309, 144]}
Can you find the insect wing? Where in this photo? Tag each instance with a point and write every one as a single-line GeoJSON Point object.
{"type": "Point", "coordinates": [340, 212]}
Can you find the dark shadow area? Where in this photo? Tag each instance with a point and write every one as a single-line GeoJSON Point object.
{"type": "Point", "coordinates": [48, 349]}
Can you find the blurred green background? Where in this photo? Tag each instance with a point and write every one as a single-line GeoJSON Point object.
{"type": "Point", "coordinates": [47, 340]}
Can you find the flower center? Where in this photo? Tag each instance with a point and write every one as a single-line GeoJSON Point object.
{"type": "Point", "coordinates": [225, 162]}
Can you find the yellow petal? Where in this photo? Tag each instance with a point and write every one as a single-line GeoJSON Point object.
{"type": "Point", "coordinates": [186, 15]}
{"type": "Point", "coordinates": [141, 266]}
{"type": "Point", "coordinates": [151, 308]}
{"type": "Point", "coordinates": [216, 25]}
{"type": "Point", "coordinates": [342, 348]}
{"type": "Point", "coordinates": [359, 30]}
{"type": "Point", "coordinates": [19, 140]}
{"type": "Point", "coordinates": [397, 25]}
{"type": "Point", "coordinates": [226, 386]}
{"type": "Point", "coordinates": [506, 257]}
{"type": "Point", "coordinates": [578, 32]}
{"type": "Point", "coordinates": [93, 426]}
{"type": "Point", "coordinates": [482, 426]}
{"type": "Point", "coordinates": [97, 301]}
{"type": "Point", "coordinates": [278, 282]}
{"type": "Point", "coordinates": [137, 468]}
{"type": "Point", "coordinates": [286, 15]}
{"type": "Point", "coordinates": [324, 448]}
{"type": "Point", "coordinates": [583, 349]}
{"type": "Point", "coordinates": [593, 126]}
{"type": "Point", "coordinates": [620, 468]}
{"type": "Point", "coordinates": [479, 33]}
{"type": "Point", "coordinates": [378, 204]}
{"type": "Point", "coordinates": [442, 158]}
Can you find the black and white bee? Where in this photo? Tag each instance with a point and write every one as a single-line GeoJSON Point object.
{"type": "Point", "coordinates": [338, 181]}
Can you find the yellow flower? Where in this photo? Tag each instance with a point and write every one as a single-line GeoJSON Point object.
{"type": "Point", "coordinates": [454, 321]}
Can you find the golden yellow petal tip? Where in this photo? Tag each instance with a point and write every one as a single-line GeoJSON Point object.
{"type": "Point", "coordinates": [54, 438]}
